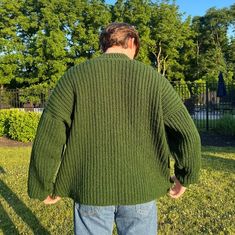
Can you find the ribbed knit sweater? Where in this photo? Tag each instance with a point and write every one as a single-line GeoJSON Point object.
{"type": "Point", "coordinates": [107, 134]}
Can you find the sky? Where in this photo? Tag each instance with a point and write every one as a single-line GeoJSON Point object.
{"type": "Point", "coordinates": [199, 7]}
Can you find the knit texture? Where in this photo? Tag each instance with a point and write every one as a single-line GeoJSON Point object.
{"type": "Point", "coordinates": [107, 134]}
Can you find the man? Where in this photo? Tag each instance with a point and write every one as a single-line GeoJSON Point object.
{"type": "Point", "coordinates": [106, 137]}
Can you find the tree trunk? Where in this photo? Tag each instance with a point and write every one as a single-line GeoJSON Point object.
{"type": "Point", "coordinates": [164, 66]}
{"type": "Point", "coordinates": [159, 63]}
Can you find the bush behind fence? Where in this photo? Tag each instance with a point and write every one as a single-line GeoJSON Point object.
{"type": "Point", "coordinates": [27, 99]}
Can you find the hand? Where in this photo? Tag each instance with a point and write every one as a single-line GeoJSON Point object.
{"type": "Point", "coordinates": [177, 190]}
{"type": "Point", "coordinates": [51, 200]}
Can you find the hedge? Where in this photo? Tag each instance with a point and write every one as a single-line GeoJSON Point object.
{"type": "Point", "coordinates": [4, 117]}
{"type": "Point", "coordinates": [225, 125]}
{"type": "Point", "coordinates": [19, 125]}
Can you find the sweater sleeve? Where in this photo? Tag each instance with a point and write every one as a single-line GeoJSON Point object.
{"type": "Point", "coordinates": [50, 139]}
{"type": "Point", "coordinates": [182, 135]}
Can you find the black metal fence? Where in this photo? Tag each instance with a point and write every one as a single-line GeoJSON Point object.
{"type": "Point", "coordinates": [27, 99]}
{"type": "Point", "coordinates": [203, 103]}
{"type": "Point", "coordinates": [201, 100]}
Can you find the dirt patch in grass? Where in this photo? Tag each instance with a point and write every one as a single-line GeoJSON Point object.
{"type": "Point", "coordinates": [6, 142]}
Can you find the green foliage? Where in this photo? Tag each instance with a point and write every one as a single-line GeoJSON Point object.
{"type": "Point", "coordinates": [214, 52]}
{"type": "Point", "coordinates": [198, 87]}
{"type": "Point", "coordinates": [2, 125]}
{"type": "Point", "coordinates": [19, 125]}
{"type": "Point", "coordinates": [7, 99]}
{"type": "Point", "coordinates": [11, 45]}
{"type": "Point", "coordinates": [35, 95]}
{"type": "Point", "coordinates": [181, 89]}
{"type": "Point", "coordinates": [230, 53]}
{"type": "Point", "coordinates": [4, 121]}
{"type": "Point", "coordinates": [173, 41]}
{"type": "Point", "coordinates": [23, 125]}
{"type": "Point", "coordinates": [226, 125]}
{"type": "Point", "coordinates": [40, 40]}
{"type": "Point", "coordinates": [166, 41]}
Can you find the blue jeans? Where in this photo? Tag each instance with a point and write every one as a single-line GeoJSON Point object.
{"type": "Point", "coordinates": [139, 219]}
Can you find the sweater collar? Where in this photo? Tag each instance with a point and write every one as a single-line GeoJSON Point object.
{"type": "Point", "coordinates": [115, 55]}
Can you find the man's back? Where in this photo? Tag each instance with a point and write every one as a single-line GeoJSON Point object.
{"type": "Point", "coordinates": [116, 112]}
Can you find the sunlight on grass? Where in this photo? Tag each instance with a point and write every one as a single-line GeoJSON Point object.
{"type": "Point", "coordinates": [206, 207]}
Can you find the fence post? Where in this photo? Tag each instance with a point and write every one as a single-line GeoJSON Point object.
{"type": "Point", "coordinates": [207, 106]}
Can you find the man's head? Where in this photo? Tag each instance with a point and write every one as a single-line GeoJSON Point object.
{"type": "Point", "coordinates": [120, 36]}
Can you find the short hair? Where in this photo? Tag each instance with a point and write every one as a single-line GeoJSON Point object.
{"type": "Point", "coordinates": [117, 34]}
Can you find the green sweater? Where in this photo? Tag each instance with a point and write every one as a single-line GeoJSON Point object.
{"type": "Point", "coordinates": [107, 134]}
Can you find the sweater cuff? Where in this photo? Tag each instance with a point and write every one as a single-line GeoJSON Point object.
{"type": "Point", "coordinates": [38, 191]}
{"type": "Point", "coordinates": [186, 178]}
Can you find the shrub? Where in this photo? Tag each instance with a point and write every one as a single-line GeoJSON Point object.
{"type": "Point", "coordinates": [226, 125]}
{"type": "Point", "coordinates": [2, 126]}
{"type": "Point", "coordinates": [23, 125]}
{"type": "Point", "coordinates": [4, 118]}
{"type": "Point", "coordinates": [19, 125]}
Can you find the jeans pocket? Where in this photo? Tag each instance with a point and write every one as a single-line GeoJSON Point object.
{"type": "Point", "coordinates": [87, 210]}
{"type": "Point", "coordinates": [144, 209]}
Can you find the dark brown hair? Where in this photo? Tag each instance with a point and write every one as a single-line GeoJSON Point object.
{"type": "Point", "coordinates": [117, 34]}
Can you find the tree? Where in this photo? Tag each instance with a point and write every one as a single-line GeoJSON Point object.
{"type": "Point", "coordinates": [138, 14]}
{"type": "Point", "coordinates": [84, 27]}
{"type": "Point", "coordinates": [118, 11]}
{"type": "Point", "coordinates": [41, 39]}
{"type": "Point", "coordinates": [231, 60]}
{"type": "Point", "coordinates": [212, 43]}
{"type": "Point", "coordinates": [11, 44]}
{"type": "Point", "coordinates": [173, 40]}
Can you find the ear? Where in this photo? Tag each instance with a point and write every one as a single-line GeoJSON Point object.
{"type": "Point", "coordinates": [131, 43]}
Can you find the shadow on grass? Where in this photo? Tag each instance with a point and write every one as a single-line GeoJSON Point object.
{"type": "Point", "coordinates": [213, 139]}
{"type": "Point", "coordinates": [6, 225]}
{"type": "Point", "coordinates": [218, 163]}
{"type": "Point", "coordinates": [2, 171]}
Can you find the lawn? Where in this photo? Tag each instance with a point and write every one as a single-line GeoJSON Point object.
{"type": "Point", "coordinates": [206, 208]}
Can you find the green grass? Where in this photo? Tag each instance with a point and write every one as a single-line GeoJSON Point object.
{"type": "Point", "coordinates": [206, 207]}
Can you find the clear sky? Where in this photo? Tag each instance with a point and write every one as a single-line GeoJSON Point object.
{"type": "Point", "coordinates": [199, 7]}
